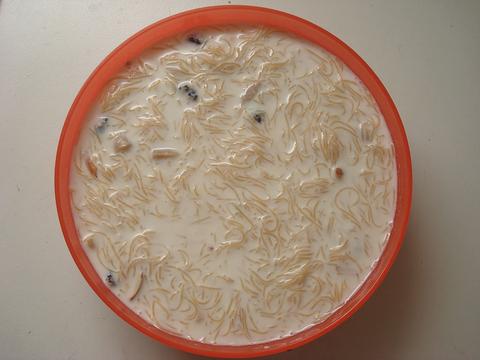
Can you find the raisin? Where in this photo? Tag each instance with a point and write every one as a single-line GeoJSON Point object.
{"type": "Point", "coordinates": [110, 280]}
{"type": "Point", "coordinates": [194, 39]}
{"type": "Point", "coordinates": [191, 93]}
{"type": "Point", "coordinates": [338, 173]}
{"type": "Point", "coordinates": [259, 117]}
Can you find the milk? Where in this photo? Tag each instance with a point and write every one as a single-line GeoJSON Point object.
{"type": "Point", "coordinates": [274, 199]}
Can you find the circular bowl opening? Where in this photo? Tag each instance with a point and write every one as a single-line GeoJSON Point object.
{"type": "Point", "coordinates": [218, 16]}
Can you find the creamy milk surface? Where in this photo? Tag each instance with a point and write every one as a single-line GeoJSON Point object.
{"type": "Point", "coordinates": [234, 185]}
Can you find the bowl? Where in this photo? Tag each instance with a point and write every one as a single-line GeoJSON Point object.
{"type": "Point", "coordinates": [218, 16]}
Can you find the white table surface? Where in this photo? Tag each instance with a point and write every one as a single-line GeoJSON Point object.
{"type": "Point", "coordinates": [426, 52]}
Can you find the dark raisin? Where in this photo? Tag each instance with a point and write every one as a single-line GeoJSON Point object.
{"type": "Point", "coordinates": [110, 280]}
{"type": "Point", "coordinates": [338, 173]}
{"type": "Point", "coordinates": [259, 117]}
{"type": "Point", "coordinates": [193, 95]}
{"type": "Point", "coordinates": [194, 39]}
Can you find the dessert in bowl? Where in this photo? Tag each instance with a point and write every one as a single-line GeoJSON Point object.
{"type": "Point", "coordinates": [236, 185]}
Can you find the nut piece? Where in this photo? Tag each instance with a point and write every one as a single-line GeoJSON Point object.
{"type": "Point", "coordinates": [121, 143]}
{"type": "Point", "coordinates": [368, 129]}
{"type": "Point", "coordinates": [92, 168]}
{"type": "Point", "coordinates": [250, 92]}
{"type": "Point", "coordinates": [164, 153]}
{"type": "Point", "coordinates": [330, 145]}
{"type": "Point", "coordinates": [89, 241]}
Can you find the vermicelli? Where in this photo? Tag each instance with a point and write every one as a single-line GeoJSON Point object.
{"type": "Point", "coordinates": [234, 188]}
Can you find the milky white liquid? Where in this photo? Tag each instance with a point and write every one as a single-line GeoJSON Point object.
{"type": "Point", "coordinates": [275, 206]}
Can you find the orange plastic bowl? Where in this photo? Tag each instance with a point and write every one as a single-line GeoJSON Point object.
{"type": "Point", "coordinates": [218, 16]}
